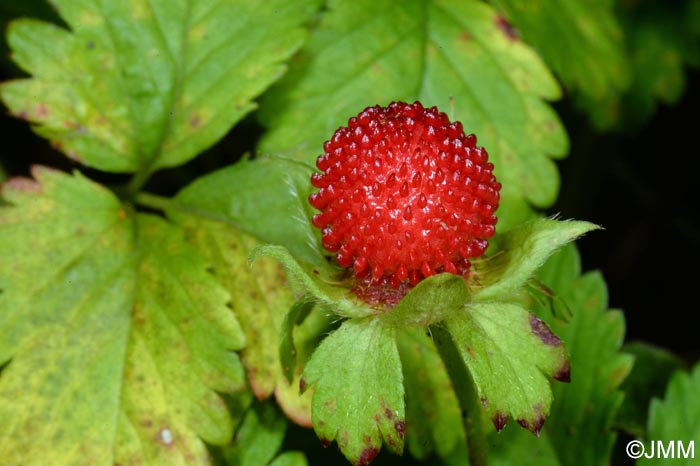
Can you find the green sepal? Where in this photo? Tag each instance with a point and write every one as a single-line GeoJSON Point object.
{"type": "Point", "coordinates": [359, 395]}
{"type": "Point", "coordinates": [519, 253]}
{"type": "Point", "coordinates": [431, 301]}
{"type": "Point", "coordinates": [288, 351]}
{"type": "Point", "coordinates": [510, 355]}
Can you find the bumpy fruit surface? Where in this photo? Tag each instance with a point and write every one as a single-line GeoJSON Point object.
{"type": "Point", "coordinates": [404, 194]}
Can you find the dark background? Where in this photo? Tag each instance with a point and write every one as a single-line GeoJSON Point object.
{"type": "Point", "coordinates": [638, 185]}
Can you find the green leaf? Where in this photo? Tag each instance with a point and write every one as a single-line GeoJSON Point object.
{"type": "Point", "coordinates": [266, 198]}
{"type": "Point", "coordinates": [449, 54]}
{"type": "Point", "coordinates": [288, 351]}
{"type": "Point", "coordinates": [583, 44]}
{"type": "Point", "coordinates": [302, 332]}
{"type": "Point", "coordinates": [290, 458]}
{"type": "Point", "coordinates": [147, 84]}
{"type": "Point", "coordinates": [259, 438]}
{"type": "Point", "coordinates": [520, 252]}
{"type": "Point", "coordinates": [580, 425]}
{"type": "Point", "coordinates": [676, 417]}
{"type": "Point", "coordinates": [107, 315]}
{"type": "Point", "coordinates": [653, 367]}
{"type": "Point", "coordinates": [661, 42]}
{"type": "Point", "coordinates": [433, 415]}
{"type": "Point", "coordinates": [358, 398]}
{"type": "Point", "coordinates": [510, 355]}
{"type": "Point", "coordinates": [515, 447]}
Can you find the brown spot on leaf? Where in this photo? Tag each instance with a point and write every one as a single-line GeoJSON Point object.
{"type": "Point", "coordinates": [21, 183]}
{"type": "Point", "coordinates": [564, 372]}
{"type": "Point", "coordinates": [195, 121]}
{"type": "Point", "coordinates": [325, 442]}
{"type": "Point", "coordinates": [534, 427]}
{"type": "Point", "coordinates": [499, 420]}
{"type": "Point", "coordinates": [302, 385]}
{"type": "Point", "coordinates": [465, 36]}
{"type": "Point", "coordinates": [507, 28]}
{"type": "Point", "coordinates": [42, 111]}
{"type": "Point", "coordinates": [367, 456]}
{"type": "Point", "coordinates": [543, 332]}
{"type": "Point", "coordinates": [121, 214]}
{"type": "Point", "coordinates": [146, 422]}
{"type": "Point", "coordinates": [23, 115]}
{"type": "Point", "coordinates": [484, 401]}
{"type": "Point", "coordinates": [388, 413]}
{"type": "Point", "coordinates": [400, 428]}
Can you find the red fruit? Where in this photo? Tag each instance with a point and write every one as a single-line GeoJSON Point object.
{"type": "Point", "coordinates": [404, 194]}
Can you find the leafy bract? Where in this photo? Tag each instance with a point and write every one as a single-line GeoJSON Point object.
{"type": "Point", "coordinates": [676, 418]}
{"type": "Point", "coordinates": [113, 332]}
{"type": "Point", "coordinates": [583, 44]}
{"type": "Point", "coordinates": [510, 355]}
{"type": "Point", "coordinates": [520, 252]}
{"type": "Point", "coordinates": [358, 398]}
{"type": "Point", "coordinates": [451, 54]}
{"type": "Point", "coordinates": [140, 85]}
{"type": "Point", "coordinates": [580, 425]}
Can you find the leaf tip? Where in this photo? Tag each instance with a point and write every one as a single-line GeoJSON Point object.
{"type": "Point", "coordinates": [563, 374]}
{"type": "Point", "coordinates": [535, 426]}
{"type": "Point", "coordinates": [367, 456]}
{"type": "Point", "coordinates": [500, 420]}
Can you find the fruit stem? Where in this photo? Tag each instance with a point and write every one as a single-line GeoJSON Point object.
{"type": "Point", "coordinates": [473, 420]}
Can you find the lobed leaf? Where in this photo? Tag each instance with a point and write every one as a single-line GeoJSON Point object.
{"type": "Point", "coordinates": [358, 397]}
{"type": "Point", "coordinates": [648, 379]}
{"type": "Point", "coordinates": [259, 438]}
{"type": "Point", "coordinates": [676, 418]}
{"type": "Point", "coordinates": [510, 355]}
{"type": "Point", "coordinates": [580, 426]}
{"type": "Point", "coordinates": [588, 54]}
{"type": "Point", "coordinates": [141, 85]}
{"type": "Point", "coordinates": [451, 54]}
{"type": "Point", "coordinates": [661, 42]}
{"type": "Point", "coordinates": [113, 333]}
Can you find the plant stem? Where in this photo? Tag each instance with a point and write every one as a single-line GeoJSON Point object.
{"type": "Point", "coordinates": [152, 201]}
{"type": "Point", "coordinates": [465, 390]}
{"type": "Point", "coordinates": [137, 182]}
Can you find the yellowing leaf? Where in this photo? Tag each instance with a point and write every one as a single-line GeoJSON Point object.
{"type": "Point", "coordinates": [114, 334]}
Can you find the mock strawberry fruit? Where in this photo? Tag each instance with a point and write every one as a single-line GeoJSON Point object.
{"type": "Point", "coordinates": [404, 194]}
